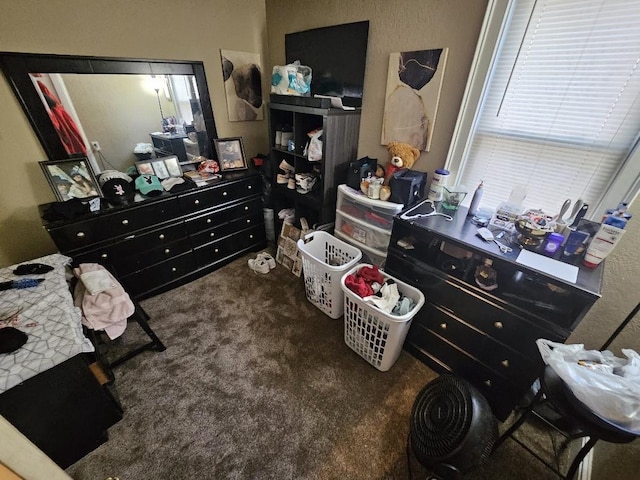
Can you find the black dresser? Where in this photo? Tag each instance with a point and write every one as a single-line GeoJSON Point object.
{"type": "Point", "coordinates": [162, 242]}
{"type": "Point", "coordinates": [485, 336]}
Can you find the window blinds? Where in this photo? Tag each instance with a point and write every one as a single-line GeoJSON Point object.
{"type": "Point", "coordinates": [561, 112]}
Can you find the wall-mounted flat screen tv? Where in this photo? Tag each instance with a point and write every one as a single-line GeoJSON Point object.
{"type": "Point", "coordinates": [337, 56]}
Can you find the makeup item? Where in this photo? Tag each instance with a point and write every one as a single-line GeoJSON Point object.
{"type": "Point", "coordinates": [602, 245]}
{"type": "Point", "coordinates": [553, 244]}
{"type": "Point", "coordinates": [574, 243]}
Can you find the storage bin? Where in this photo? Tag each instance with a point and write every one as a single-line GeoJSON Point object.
{"type": "Point", "coordinates": [361, 232]}
{"type": "Point", "coordinates": [369, 254]}
{"type": "Point", "coordinates": [324, 260]}
{"type": "Point", "coordinates": [376, 213]}
{"type": "Point", "coordinates": [375, 335]}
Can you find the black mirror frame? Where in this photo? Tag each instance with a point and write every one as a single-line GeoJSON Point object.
{"type": "Point", "coordinates": [18, 66]}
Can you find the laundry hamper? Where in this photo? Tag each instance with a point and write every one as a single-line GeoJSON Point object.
{"type": "Point", "coordinates": [324, 261]}
{"type": "Point", "coordinates": [375, 335]}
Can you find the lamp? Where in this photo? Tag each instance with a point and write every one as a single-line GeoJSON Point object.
{"type": "Point", "coordinates": [156, 84]}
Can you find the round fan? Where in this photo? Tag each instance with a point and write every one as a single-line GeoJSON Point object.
{"type": "Point", "coordinates": [452, 427]}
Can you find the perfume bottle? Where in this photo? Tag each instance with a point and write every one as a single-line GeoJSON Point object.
{"type": "Point", "coordinates": [486, 277]}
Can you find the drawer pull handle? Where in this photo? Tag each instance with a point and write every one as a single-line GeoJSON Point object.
{"type": "Point", "coordinates": [167, 250]}
{"type": "Point", "coordinates": [216, 250]}
{"type": "Point", "coordinates": [498, 325]}
{"type": "Point", "coordinates": [104, 255]}
{"type": "Point", "coordinates": [246, 208]}
{"type": "Point", "coordinates": [248, 220]}
{"type": "Point", "coordinates": [224, 194]}
{"type": "Point", "coordinates": [250, 236]}
{"type": "Point", "coordinates": [80, 234]}
{"type": "Point", "coordinates": [208, 220]}
{"type": "Point", "coordinates": [443, 326]}
{"type": "Point", "coordinates": [505, 363]}
{"type": "Point", "coordinates": [197, 202]}
{"type": "Point", "coordinates": [174, 269]}
{"type": "Point", "coordinates": [125, 222]}
{"type": "Point", "coordinates": [161, 236]}
{"type": "Point", "coordinates": [249, 187]}
{"type": "Point", "coordinates": [212, 234]}
{"type": "Point", "coordinates": [487, 383]}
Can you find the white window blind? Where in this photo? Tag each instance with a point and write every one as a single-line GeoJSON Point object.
{"type": "Point", "coordinates": [560, 115]}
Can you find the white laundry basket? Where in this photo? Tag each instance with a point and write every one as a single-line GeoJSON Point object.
{"type": "Point", "coordinates": [375, 335]}
{"type": "Point", "coordinates": [324, 261]}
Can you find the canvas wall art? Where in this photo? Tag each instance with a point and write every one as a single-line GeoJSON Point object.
{"type": "Point", "coordinates": [242, 75]}
{"type": "Point", "coordinates": [414, 82]}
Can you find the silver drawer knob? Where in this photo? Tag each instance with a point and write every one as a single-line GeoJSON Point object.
{"type": "Point", "coordinates": [212, 234]}
{"type": "Point", "coordinates": [498, 324]}
{"type": "Point", "coordinates": [249, 187]}
{"type": "Point", "coordinates": [248, 221]}
{"type": "Point", "coordinates": [443, 326]}
{"type": "Point", "coordinates": [246, 208]}
{"type": "Point", "coordinates": [197, 202]}
{"type": "Point", "coordinates": [161, 236]}
{"type": "Point", "coordinates": [167, 250]}
{"type": "Point", "coordinates": [208, 220]}
{"type": "Point", "coordinates": [487, 383]}
{"type": "Point", "coordinates": [80, 234]}
{"type": "Point", "coordinates": [174, 269]}
{"type": "Point", "coordinates": [125, 222]}
{"type": "Point", "coordinates": [505, 363]}
{"type": "Point", "coordinates": [216, 250]}
{"type": "Point", "coordinates": [250, 236]}
{"type": "Point", "coordinates": [104, 255]}
{"type": "Point", "coordinates": [224, 194]}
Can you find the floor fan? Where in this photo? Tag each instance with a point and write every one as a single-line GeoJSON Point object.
{"type": "Point", "coordinates": [452, 428]}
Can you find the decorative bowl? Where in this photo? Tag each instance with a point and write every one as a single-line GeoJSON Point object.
{"type": "Point", "coordinates": [533, 227]}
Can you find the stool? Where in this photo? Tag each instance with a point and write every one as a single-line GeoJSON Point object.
{"type": "Point", "coordinates": [582, 421]}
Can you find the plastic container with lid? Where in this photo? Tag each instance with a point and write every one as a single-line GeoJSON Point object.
{"type": "Point", "coordinates": [440, 177]}
{"type": "Point", "coordinates": [553, 244]}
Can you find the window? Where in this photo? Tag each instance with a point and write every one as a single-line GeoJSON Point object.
{"type": "Point", "coordinates": [553, 104]}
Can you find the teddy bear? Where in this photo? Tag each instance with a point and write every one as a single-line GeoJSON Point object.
{"type": "Point", "coordinates": [402, 155]}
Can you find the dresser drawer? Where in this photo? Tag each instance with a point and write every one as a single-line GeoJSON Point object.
{"type": "Point", "coordinates": [230, 245]}
{"type": "Point", "coordinates": [158, 275]}
{"type": "Point", "coordinates": [138, 218]}
{"type": "Point", "coordinates": [226, 229]}
{"type": "Point", "coordinates": [205, 198]}
{"type": "Point", "coordinates": [137, 261]}
{"type": "Point", "coordinates": [214, 218]}
{"type": "Point", "coordinates": [76, 235]}
{"type": "Point", "coordinates": [502, 360]}
{"type": "Point", "coordinates": [138, 244]}
{"type": "Point", "coordinates": [442, 355]}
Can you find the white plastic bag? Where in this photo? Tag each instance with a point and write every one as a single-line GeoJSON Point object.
{"type": "Point", "coordinates": [609, 385]}
{"type": "Point", "coordinates": [291, 79]}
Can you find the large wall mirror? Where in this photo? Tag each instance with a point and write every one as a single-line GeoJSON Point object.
{"type": "Point", "coordinates": [109, 109]}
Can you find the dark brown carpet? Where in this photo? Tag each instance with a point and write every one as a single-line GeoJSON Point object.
{"type": "Point", "coordinates": [257, 383]}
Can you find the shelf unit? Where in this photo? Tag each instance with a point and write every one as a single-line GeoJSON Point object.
{"type": "Point", "coordinates": [339, 147]}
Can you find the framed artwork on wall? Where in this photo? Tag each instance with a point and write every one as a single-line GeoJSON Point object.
{"type": "Point", "coordinates": [72, 178]}
{"type": "Point", "coordinates": [230, 154]}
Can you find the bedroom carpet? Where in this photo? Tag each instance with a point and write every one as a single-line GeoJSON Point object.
{"type": "Point", "coordinates": [257, 383]}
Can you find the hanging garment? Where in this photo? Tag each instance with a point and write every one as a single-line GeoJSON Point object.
{"type": "Point", "coordinates": [63, 123]}
{"type": "Point", "coordinates": [104, 303]}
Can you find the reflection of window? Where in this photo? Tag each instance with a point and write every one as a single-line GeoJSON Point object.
{"type": "Point", "coordinates": [559, 113]}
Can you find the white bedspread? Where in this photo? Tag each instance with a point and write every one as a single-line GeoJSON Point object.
{"type": "Point", "coordinates": [47, 316]}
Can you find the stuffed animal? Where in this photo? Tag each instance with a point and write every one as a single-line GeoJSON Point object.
{"type": "Point", "coordinates": [401, 155]}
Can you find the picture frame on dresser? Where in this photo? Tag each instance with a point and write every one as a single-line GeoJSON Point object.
{"type": "Point", "coordinates": [230, 153]}
{"type": "Point", "coordinates": [71, 178]}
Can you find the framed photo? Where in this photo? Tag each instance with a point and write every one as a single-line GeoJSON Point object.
{"type": "Point", "coordinates": [230, 154]}
{"type": "Point", "coordinates": [173, 166]}
{"type": "Point", "coordinates": [160, 169]}
{"type": "Point", "coordinates": [144, 168]}
{"type": "Point", "coordinates": [73, 178]}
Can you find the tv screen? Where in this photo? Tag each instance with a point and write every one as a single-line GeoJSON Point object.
{"type": "Point", "coordinates": [337, 56]}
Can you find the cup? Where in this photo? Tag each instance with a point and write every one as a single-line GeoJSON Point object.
{"type": "Point", "coordinates": [453, 196]}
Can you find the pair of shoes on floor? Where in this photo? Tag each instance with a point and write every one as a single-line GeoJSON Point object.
{"type": "Point", "coordinates": [263, 263]}
{"type": "Point", "coordinates": [305, 182]}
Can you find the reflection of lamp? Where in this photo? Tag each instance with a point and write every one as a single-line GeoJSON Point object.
{"type": "Point", "coordinates": [156, 84]}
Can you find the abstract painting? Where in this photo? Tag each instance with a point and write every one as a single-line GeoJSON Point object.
{"type": "Point", "coordinates": [414, 82]}
{"type": "Point", "coordinates": [242, 76]}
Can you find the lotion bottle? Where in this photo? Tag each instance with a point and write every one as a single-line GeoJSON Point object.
{"type": "Point", "coordinates": [475, 201]}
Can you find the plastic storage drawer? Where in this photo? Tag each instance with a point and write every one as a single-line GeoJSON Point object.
{"type": "Point", "coordinates": [376, 213]}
